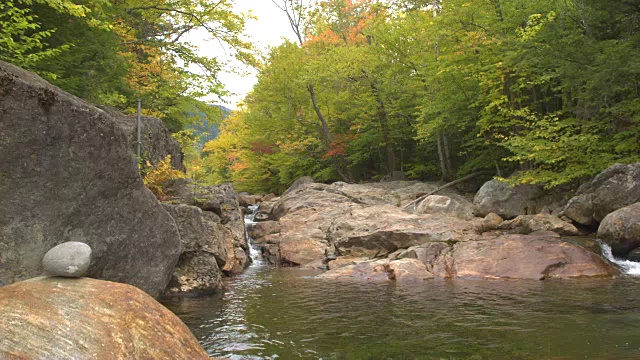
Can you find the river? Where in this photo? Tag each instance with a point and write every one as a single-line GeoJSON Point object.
{"type": "Point", "coordinates": [286, 313]}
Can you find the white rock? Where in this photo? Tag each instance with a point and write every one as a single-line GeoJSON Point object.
{"type": "Point", "coordinates": [69, 259]}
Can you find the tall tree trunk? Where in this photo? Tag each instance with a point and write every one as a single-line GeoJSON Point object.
{"type": "Point", "coordinates": [384, 128]}
{"type": "Point", "coordinates": [443, 164]}
{"type": "Point", "coordinates": [447, 155]}
{"type": "Point", "coordinates": [339, 160]}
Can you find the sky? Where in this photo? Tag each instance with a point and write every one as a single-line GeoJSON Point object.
{"type": "Point", "coordinates": [267, 30]}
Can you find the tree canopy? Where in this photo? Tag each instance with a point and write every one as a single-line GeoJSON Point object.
{"type": "Point", "coordinates": [113, 52]}
{"type": "Point", "coordinates": [546, 91]}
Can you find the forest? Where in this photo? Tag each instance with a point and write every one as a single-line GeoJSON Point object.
{"type": "Point", "coordinates": [543, 92]}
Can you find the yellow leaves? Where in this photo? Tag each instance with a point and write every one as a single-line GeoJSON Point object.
{"type": "Point", "coordinates": [158, 176]}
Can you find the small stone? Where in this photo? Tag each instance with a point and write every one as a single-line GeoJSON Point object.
{"type": "Point", "coordinates": [69, 259]}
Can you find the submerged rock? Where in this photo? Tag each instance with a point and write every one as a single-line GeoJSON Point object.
{"type": "Point", "coordinates": [69, 259]}
{"type": "Point", "coordinates": [621, 230]}
{"type": "Point", "coordinates": [58, 318]}
{"type": "Point", "coordinates": [68, 175]}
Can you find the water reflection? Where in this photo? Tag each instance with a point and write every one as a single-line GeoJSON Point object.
{"type": "Point", "coordinates": [285, 313]}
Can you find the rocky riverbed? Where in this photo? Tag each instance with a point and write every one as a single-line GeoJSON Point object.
{"type": "Point", "coordinates": [376, 232]}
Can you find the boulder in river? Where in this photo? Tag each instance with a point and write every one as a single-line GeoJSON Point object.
{"type": "Point", "coordinates": [61, 318]}
{"type": "Point", "coordinates": [155, 137]}
{"type": "Point", "coordinates": [614, 188]}
{"type": "Point", "coordinates": [621, 230]}
{"type": "Point", "coordinates": [68, 174]}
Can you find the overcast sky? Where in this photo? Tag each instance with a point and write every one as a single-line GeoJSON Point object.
{"type": "Point", "coordinates": [267, 30]}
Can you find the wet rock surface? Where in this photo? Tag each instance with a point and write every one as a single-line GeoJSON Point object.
{"type": "Point", "coordinates": [61, 318]}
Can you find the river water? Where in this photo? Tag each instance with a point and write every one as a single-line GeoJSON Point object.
{"type": "Point", "coordinates": [286, 313]}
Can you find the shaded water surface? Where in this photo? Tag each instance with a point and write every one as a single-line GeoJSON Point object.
{"type": "Point", "coordinates": [269, 313]}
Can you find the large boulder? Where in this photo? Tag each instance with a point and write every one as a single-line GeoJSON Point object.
{"type": "Point", "coordinates": [223, 201]}
{"type": "Point", "coordinates": [612, 189]}
{"type": "Point", "coordinates": [502, 257]}
{"type": "Point", "coordinates": [203, 251]}
{"type": "Point", "coordinates": [61, 318]}
{"type": "Point", "coordinates": [67, 174]}
{"type": "Point", "coordinates": [155, 138]}
{"type": "Point", "coordinates": [498, 197]}
{"type": "Point", "coordinates": [526, 257]}
{"type": "Point", "coordinates": [621, 230]}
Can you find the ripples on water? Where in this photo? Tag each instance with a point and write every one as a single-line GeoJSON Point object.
{"type": "Point", "coordinates": [269, 313]}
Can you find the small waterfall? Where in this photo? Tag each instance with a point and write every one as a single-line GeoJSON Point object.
{"type": "Point", "coordinates": [627, 267]}
{"type": "Point", "coordinates": [254, 251]}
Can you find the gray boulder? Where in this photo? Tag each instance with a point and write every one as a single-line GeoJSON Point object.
{"type": "Point", "coordinates": [508, 202]}
{"type": "Point", "coordinates": [612, 189]}
{"type": "Point", "coordinates": [70, 259]}
{"type": "Point", "coordinates": [67, 174]}
{"type": "Point", "coordinates": [203, 251]}
{"type": "Point", "coordinates": [223, 201]}
{"type": "Point", "coordinates": [621, 230]}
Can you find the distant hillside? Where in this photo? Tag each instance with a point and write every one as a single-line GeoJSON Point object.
{"type": "Point", "coordinates": [205, 128]}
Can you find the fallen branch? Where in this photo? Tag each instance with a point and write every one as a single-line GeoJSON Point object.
{"type": "Point", "coordinates": [416, 201]}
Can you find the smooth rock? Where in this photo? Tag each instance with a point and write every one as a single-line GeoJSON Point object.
{"type": "Point", "coordinates": [69, 259]}
{"type": "Point", "coordinates": [402, 271]}
{"type": "Point", "coordinates": [614, 188]}
{"type": "Point", "coordinates": [263, 228]}
{"type": "Point", "coordinates": [59, 318]}
{"type": "Point", "coordinates": [621, 230]}
{"type": "Point", "coordinates": [154, 135]}
{"type": "Point", "coordinates": [498, 197]}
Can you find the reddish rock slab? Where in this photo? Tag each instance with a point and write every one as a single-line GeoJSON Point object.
{"type": "Point", "coordinates": [59, 318]}
{"type": "Point", "coordinates": [526, 257]}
